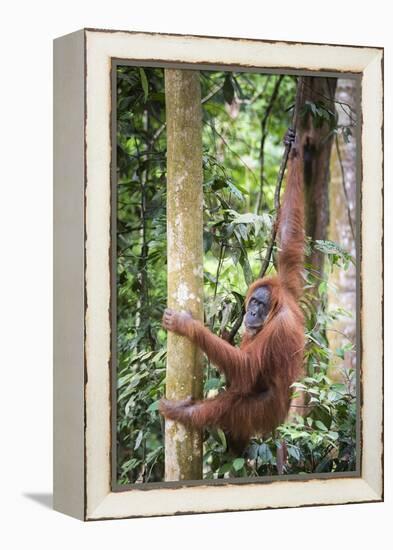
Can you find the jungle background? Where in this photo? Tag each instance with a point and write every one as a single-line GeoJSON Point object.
{"type": "Point", "coordinates": [245, 117]}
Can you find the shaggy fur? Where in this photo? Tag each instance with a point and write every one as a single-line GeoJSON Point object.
{"type": "Point", "coordinates": [260, 372]}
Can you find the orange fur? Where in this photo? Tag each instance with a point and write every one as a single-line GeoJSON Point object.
{"type": "Point", "coordinates": [260, 372]}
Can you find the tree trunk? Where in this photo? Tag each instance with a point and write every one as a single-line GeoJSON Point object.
{"type": "Point", "coordinates": [342, 198]}
{"type": "Point", "coordinates": [317, 146]}
{"type": "Point", "coordinates": [183, 447]}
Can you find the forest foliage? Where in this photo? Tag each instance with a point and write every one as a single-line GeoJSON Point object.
{"type": "Point", "coordinates": [245, 116]}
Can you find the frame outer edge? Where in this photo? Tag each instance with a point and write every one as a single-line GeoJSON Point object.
{"type": "Point", "coordinates": [68, 243]}
{"type": "Point", "coordinates": [103, 504]}
{"type": "Point", "coordinates": [372, 275]}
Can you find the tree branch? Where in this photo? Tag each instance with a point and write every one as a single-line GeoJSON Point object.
{"type": "Point", "coordinates": [280, 177]}
{"type": "Point", "coordinates": [263, 139]}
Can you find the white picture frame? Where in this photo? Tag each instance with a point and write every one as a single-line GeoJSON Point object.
{"type": "Point", "coordinates": [82, 248]}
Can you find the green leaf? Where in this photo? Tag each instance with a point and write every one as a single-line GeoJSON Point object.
{"type": "Point", "coordinates": [219, 183]}
{"type": "Point", "coordinates": [298, 385]}
{"type": "Point", "coordinates": [222, 437]}
{"type": "Point", "coordinates": [153, 406]}
{"type": "Point", "coordinates": [144, 82]}
{"type": "Point", "coordinates": [123, 380]}
{"type": "Point", "coordinates": [212, 108]}
{"type": "Point", "coordinates": [212, 384]}
{"type": "Point", "coordinates": [294, 452]}
{"type": "Point", "coordinates": [321, 426]}
{"type": "Point", "coordinates": [248, 277]}
{"type": "Point", "coordinates": [236, 190]}
{"type": "Point", "coordinates": [160, 355]}
{"type": "Point", "coordinates": [249, 218]}
{"type": "Point", "coordinates": [207, 241]}
{"type": "Point", "coordinates": [238, 464]}
{"type": "Point", "coordinates": [252, 451]}
{"type": "Point", "coordinates": [129, 405]}
{"type": "Point", "coordinates": [135, 381]}
{"type": "Point", "coordinates": [322, 289]}
{"type": "Point", "coordinates": [334, 251]}
{"type": "Point", "coordinates": [242, 231]}
{"type": "Point", "coordinates": [265, 453]}
{"type": "Point", "coordinates": [138, 440]}
{"type": "Point", "coordinates": [225, 468]}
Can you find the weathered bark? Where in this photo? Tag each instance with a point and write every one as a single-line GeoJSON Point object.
{"type": "Point", "coordinates": [316, 144]}
{"type": "Point", "coordinates": [183, 447]}
{"type": "Point", "coordinates": [342, 198]}
{"type": "Point", "coordinates": [317, 148]}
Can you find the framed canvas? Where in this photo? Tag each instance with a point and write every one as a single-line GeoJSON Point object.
{"type": "Point", "coordinates": [129, 139]}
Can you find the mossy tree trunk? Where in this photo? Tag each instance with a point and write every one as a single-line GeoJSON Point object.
{"type": "Point", "coordinates": [183, 447]}
{"type": "Point", "coordinates": [317, 140]}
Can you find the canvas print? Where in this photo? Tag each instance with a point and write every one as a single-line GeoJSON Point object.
{"type": "Point", "coordinates": [236, 288]}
